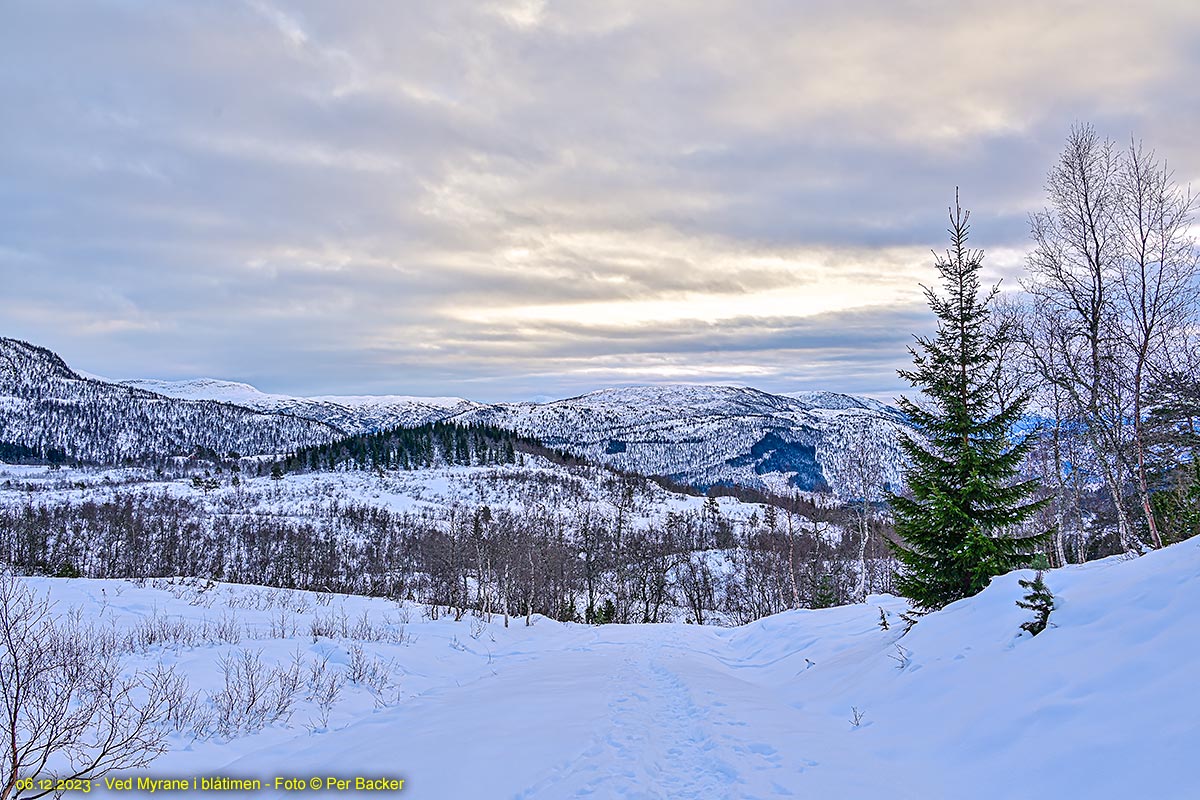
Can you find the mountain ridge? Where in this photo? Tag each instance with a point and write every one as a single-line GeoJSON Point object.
{"type": "Point", "coordinates": [352, 414]}
{"type": "Point", "coordinates": [703, 435]}
{"type": "Point", "coordinates": [64, 416]}
{"type": "Point", "coordinates": [713, 435]}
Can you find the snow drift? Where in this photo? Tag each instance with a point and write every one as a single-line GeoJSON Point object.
{"type": "Point", "coordinates": [807, 703]}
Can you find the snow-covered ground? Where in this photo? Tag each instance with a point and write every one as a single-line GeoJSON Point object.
{"type": "Point", "coordinates": [1102, 704]}
{"type": "Point", "coordinates": [505, 486]}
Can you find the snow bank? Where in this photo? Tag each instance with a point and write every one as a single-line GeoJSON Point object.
{"type": "Point", "coordinates": [1102, 704]}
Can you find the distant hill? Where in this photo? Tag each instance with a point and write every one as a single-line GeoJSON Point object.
{"type": "Point", "coordinates": [709, 435]}
{"type": "Point", "coordinates": [701, 436]}
{"type": "Point", "coordinates": [58, 414]}
{"type": "Point", "coordinates": [351, 414]}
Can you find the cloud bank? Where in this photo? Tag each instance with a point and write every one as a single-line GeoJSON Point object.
{"type": "Point", "coordinates": [534, 198]}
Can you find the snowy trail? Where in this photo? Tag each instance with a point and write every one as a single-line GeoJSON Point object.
{"type": "Point", "coordinates": [615, 713]}
{"type": "Point", "coordinates": [655, 741]}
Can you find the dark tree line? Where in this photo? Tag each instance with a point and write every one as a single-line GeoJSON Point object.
{"type": "Point", "coordinates": [429, 445]}
{"type": "Point", "coordinates": [12, 453]}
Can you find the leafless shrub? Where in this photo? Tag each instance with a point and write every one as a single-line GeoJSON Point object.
{"type": "Point", "coordinates": [205, 596]}
{"type": "Point", "coordinates": [403, 612]}
{"type": "Point", "coordinates": [254, 696]}
{"type": "Point", "coordinates": [64, 699]}
{"type": "Point", "coordinates": [289, 680]}
{"type": "Point", "coordinates": [364, 631]}
{"type": "Point", "coordinates": [260, 599]}
{"type": "Point", "coordinates": [186, 713]}
{"type": "Point", "coordinates": [324, 689]}
{"type": "Point", "coordinates": [400, 636]}
{"type": "Point", "coordinates": [271, 598]}
{"type": "Point", "coordinates": [283, 625]}
{"type": "Point", "coordinates": [331, 626]}
{"type": "Point", "coordinates": [369, 671]}
{"type": "Point", "coordinates": [241, 600]}
{"type": "Point", "coordinates": [297, 603]}
{"type": "Point", "coordinates": [160, 630]}
{"type": "Point", "coordinates": [225, 630]}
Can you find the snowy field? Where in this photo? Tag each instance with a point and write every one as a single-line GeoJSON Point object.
{"type": "Point", "coordinates": [536, 481]}
{"type": "Point", "coordinates": [1102, 704]}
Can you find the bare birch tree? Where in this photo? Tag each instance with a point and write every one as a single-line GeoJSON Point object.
{"type": "Point", "coordinates": [1073, 275]}
{"type": "Point", "coordinates": [1157, 285]}
{"type": "Point", "coordinates": [1040, 355]}
{"type": "Point", "coordinates": [859, 466]}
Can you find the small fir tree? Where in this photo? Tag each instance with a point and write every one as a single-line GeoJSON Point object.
{"type": "Point", "coordinates": [954, 527]}
{"type": "Point", "coordinates": [1040, 600]}
{"type": "Point", "coordinates": [569, 612]}
{"type": "Point", "coordinates": [602, 615]}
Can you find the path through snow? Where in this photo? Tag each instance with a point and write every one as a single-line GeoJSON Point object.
{"type": "Point", "coordinates": [1100, 705]}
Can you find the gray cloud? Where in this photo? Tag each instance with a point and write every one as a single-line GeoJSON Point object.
{"type": "Point", "coordinates": [527, 198]}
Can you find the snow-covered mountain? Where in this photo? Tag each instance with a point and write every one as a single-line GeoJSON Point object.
{"type": "Point", "coordinates": [697, 435]}
{"type": "Point", "coordinates": [706, 435]}
{"type": "Point", "coordinates": [58, 413]}
{"type": "Point", "coordinates": [351, 414]}
{"type": "Point", "coordinates": [835, 400]}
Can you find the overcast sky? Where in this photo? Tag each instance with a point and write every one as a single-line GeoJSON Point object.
{"type": "Point", "coordinates": [518, 199]}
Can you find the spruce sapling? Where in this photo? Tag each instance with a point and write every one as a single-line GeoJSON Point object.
{"type": "Point", "coordinates": [1039, 599]}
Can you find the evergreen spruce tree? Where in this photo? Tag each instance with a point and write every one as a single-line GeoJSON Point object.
{"type": "Point", "coordinates": [955, 528]}
{"type": "Point", "coordinates": [1039, 599]}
